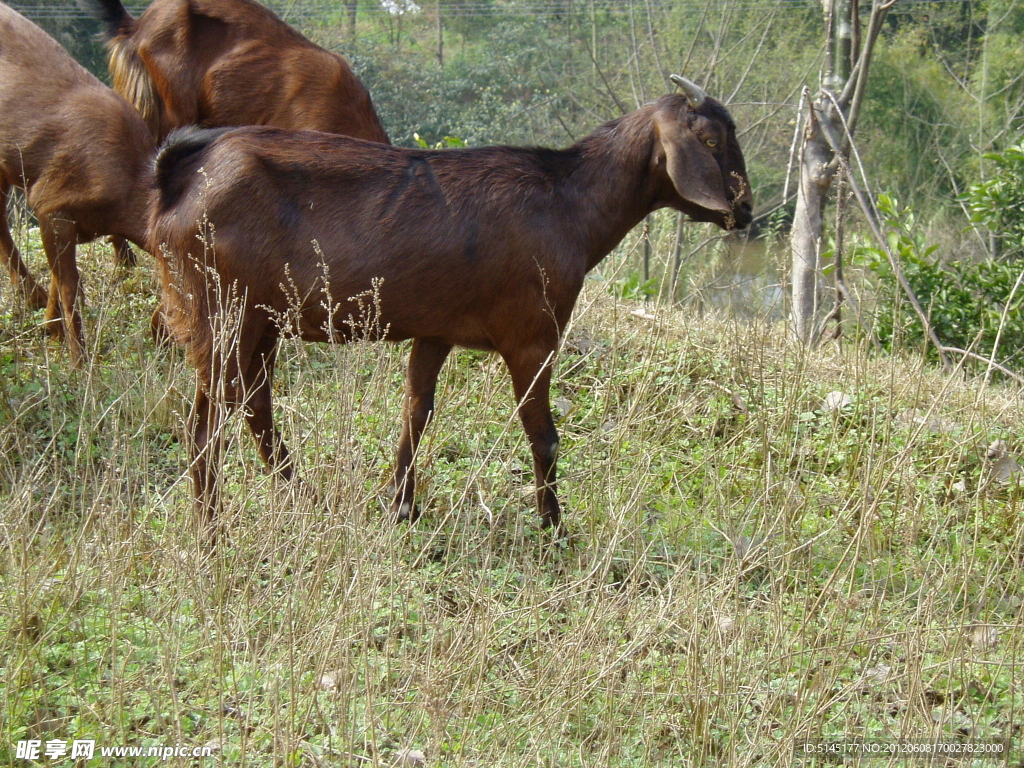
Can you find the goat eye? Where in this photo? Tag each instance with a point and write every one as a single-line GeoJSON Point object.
{"type": "Point", "coordinates": [712, 143]}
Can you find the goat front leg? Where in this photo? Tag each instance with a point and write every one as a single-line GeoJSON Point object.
{"type": "Point", "coordinates": [21, 278]}
{"type": "Point", "coordinates": [124, 256]}
{"type": "Point", "coordinates": [62, 316]}
{"type": "Point", "coordinates": [425, 363]}
{"type": "Point", "coordinates": [531, 378]}
{"type": "Point", "coordinates": [162, 336]}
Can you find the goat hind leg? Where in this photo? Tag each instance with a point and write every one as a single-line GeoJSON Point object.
{"type": "Point", "coordinates": [259, 408]}
{"type": "Point", "coordinates": [206, 444]}
{"type": "Point", "coordinates": [425, 363]}
{"type": "Point", "coordinates": [62, 316]}
{"type": "Point", "coordinates": [216, 398]}
{"type": "Point", "coordinates": [21, 278]}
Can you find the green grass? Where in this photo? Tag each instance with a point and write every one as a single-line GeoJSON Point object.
{"type": "Point", "coordinates": [746, 569]}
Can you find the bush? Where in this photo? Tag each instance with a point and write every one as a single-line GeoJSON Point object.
{"type": "Point", "coordinates": [964, 300]}
{"type": "Point", "coordinates": [998, 203]}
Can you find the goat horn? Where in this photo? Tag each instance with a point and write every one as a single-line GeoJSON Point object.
{"type": "Point", "coordinates": [694, 93]}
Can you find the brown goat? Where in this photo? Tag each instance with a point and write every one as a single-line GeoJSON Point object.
{"type": "Point", "coordinates": [81, 153]}
{"type": "Point", "coordinates": [485, 248]}
{"type": "Point", "coordinates": [229, 63]}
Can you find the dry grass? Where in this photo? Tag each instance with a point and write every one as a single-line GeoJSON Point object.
{"type": "Point", "coordinates": [746, 568]}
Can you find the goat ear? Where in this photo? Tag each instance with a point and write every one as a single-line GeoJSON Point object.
{"type": "Point", "coordinates": [693, 170]}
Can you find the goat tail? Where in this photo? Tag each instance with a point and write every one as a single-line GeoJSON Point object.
{"type": "Point", "coordinates": [184, 301]}
{"type": "Point", "coordinates": [133, 80]}
{"type": "Point", "coordinates": [111, 14]}
{"type": "Point", "coordinates": [128, 72]}
{"type": "Point", "coordinates": [177, 161]}
{"type": "Point", "coordinates": [182, 241]}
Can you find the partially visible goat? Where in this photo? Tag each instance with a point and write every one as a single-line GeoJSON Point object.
{"type": "Point", "coordinates": [81, 153]}
{"type": "Point", "coordinates": [227, 63]}
{"type": "Point", "coordinates": [485, 248]}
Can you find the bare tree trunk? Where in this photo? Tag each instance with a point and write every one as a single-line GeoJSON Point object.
{"type": "Point", "coordinates": [440, 34]}
{"type": "Point", "coordinates": [839, 282]}
{"type": "Point", "coordinates": [350, 10]}
{"type": "Point", "coordinates": [845, 75]}
{"type": "Point", "coordinates": [816, 173]}
{"type": "Point", "coordinates": [842, 34]}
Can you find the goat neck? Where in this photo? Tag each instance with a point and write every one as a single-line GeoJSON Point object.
{"type": "Point", "coordinates": [613, 182]}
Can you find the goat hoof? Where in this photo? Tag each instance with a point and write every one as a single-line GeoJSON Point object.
{"type": "Point", "coordinates": [159, 331]}
{"type": "Point", "coordinates": [552, 523]}
{"type": "Point", "coordinates": [124, 257]}
{"type": "Point", "coordinates": [53, 329]}
{"type": "Point", "coordinates": [35, 297]}
{"type": "Point", "coordinates": [301, 492]}
{"type": "Point", "coordinates": [407, 511]}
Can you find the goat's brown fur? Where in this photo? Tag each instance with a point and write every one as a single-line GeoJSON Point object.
{"type": "Point", "coordinates": [81, 153]}
{"type": "Point", "coordinates": [483, 248]}
{"type": "Point", "coordinates": [230, 63]}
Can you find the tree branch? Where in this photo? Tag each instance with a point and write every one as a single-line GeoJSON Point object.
{"type": "Point", "coordinates": [860, 316]}
{"type": "Point", "coordinates": [988, 361]}
{"type": "Point", "coordinates": [878, 13]}
{"type": "Point", "coordinates": [871, 216]}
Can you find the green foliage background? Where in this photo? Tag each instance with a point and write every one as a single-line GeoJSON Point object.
{"type": "Point", "coordinates": [942, 121]}
{"type": "Point", "coordinates": [769, 544]}
{"type": "Point", "coordinates": [971, 305]}
{"type": "Point", "coordinates": [945, 89]}
{"type": "Point", "coordinates": [943, 116]}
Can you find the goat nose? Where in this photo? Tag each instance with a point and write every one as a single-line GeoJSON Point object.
{"type": "Point", "coordinates": [744, 214]}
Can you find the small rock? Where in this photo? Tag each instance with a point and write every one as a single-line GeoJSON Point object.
{"type": "Point", "coordinates": [917, 417]}
{"type": "Point", "coordinates": [962, 724]}
{"type": "Point", "coordinates": [561, 406]}
{"type": "Point", "coordinates": [331, 681]}
{"type": "Point", "coordinates": [180, 557]}
{"type": "Point", "coordinates": [836, 401]}
{"type": "Point", "coordinates": [47, 726]}
{"type": "Point", "coordinates": [580, 342]}
{"type": "Point", "coordinates": [31, 627]}
{"type": "Point", "coordinates": [878, 674]}
{"type": "Point", "coordinates": [1003, 469]}
{"type": "Point", "coordinates": [983, 637]}
{"type": "Point", "coordinates": [996, 450]}
{"type": "Point", "coordinates": [745, 545]}
{"type": "Point", "coordinates": [1009, 604]}
{"type": "Point", "coordinates": [410, 758]}
{"type": "Point", "coordinates": [92, 549]}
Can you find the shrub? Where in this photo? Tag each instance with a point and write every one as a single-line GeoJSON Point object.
{"type": "Point", "coordinates": [966, 301]}
{"type": "Point", "coordinates": [998, 202]}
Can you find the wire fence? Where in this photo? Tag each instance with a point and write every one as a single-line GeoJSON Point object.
{"type": "Point", "coordinates": [68, 11]}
